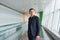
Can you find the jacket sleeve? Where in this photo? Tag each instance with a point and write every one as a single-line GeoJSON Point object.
{"type": "Point", "coordinates": [38, 26]}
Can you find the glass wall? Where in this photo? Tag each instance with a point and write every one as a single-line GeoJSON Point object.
{"type": "Point", "coordinates": [51, 17]}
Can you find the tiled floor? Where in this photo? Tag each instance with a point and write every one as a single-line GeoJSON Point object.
{"type": "Point", "coordinates": [24, 36]}
{"type": "Point", "coordinates": [45, 36]}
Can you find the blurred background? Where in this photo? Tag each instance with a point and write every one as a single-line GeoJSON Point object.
{"type": "Point", "coordinates": [14, 16]}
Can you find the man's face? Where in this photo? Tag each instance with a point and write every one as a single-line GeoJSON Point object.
{"type": "Point", "coordinates": [32, 12]}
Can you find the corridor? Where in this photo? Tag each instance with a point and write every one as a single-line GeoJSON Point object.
{"type": "Point", "coordinates": [14, 16]}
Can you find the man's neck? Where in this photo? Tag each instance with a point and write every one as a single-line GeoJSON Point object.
{"type": "Point", "coordinates": [32, 15]}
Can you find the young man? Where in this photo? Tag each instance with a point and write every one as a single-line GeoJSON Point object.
{"type": "Point", "coordinates": [33, 26]}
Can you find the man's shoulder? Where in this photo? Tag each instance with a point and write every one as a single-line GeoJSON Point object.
{"type": "Point", "coordinates": [36, 17]}
{"type": "Point", "coordinates": [29, 18]}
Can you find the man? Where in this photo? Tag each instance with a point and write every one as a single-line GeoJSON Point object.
{"type": "Point", "coordinates": [33, 26]}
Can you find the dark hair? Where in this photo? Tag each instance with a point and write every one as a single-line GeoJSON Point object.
{"type": "Point", "coordinates": [31, 9]}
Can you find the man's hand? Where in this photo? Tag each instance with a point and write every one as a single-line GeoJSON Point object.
{"type": "Point", "coordinates": [37, 37]}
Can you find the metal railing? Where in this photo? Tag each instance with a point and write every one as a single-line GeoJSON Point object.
{"type": "Point", "coordinates": [7, 31]}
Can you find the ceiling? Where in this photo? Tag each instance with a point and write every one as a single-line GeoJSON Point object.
{"type": "Point", "coordinates": [24, 5]}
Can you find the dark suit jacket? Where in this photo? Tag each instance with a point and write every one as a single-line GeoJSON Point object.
{"type": "Point", "coordinates": [33, 26]}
